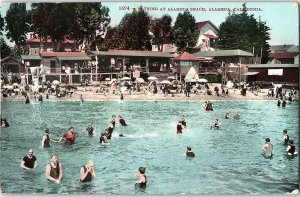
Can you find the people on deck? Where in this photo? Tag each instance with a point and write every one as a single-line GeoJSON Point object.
{"type": "Point", "coordinates": [46, 139]}
{"type": "Point", "coordinates": [54, 170]}
{"type": "Point", "coordinates": [179, 127]}
{"type": "Point", "coordinates": [216, 124]}
{"type": "Point", "coordinates": [267, 148]}
{"type": "Point", "coordinates": [142, 179]}
{"type": "Point", "coordinates": [189, 152]}
{"type": "Point", "coordinates": [69, 136]}
{"type": "Point", "coordinates": [29, 161]}
{"type": "Point", "coordinates": [87, 172]}
{"type": "Point", "coordinates": [290, 150]}
{"type": "Point", "coordinates": [285, 137]}
{"type": "Point", "coordinates": [122, 121]}
{"type": "Point", "coordinates": [89, 129]}
{"type": "Point", "coordinates": [183, 121]}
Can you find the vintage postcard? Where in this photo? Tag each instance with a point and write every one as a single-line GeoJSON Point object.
{"type": "Point", "coordinates": [149, 98]}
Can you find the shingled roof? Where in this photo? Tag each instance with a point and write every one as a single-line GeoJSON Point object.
{"type": "Point", "coordinates": [185, 57]}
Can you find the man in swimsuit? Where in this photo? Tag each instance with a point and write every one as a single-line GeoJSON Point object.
{"type": "Point", "coordinates": [46, 139]}
{"type": "Point", "coordinates": [215, 124]}
{"type": "Point", "coordinates": [183, 121]}
{"type": "Point", "coordinates": [103, 137]}
{"type": "Point", "coordinates": [142, 182]}
{"type": "Point", "coordinates": [54, 170]}
{"type": "Point", "coordinates": [29, 161]}
{"type": "Point", "coordinates": [110, 129]}
{"type": "Point", "coordinates": [285, 137]}
{"type": "Point", "coordinates": [113, 121]}
{"type": "Point", "coordinates": [87, 172]}
{"type": "Point", "coordinates": [180, 127]}
{"type": "Point", "coordinates": [189, 152]}
{"type": "Point", "coordinates": [267, 148]}
{"type": "Point", "coordinates": [89, 129]}
{"type": "Point", "coordinates": [69, 135]}
{"type": "Point", "coordinates": [290, 150]}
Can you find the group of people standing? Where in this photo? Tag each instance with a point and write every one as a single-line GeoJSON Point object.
{"type": "Point", "coordinates": [267, 148]}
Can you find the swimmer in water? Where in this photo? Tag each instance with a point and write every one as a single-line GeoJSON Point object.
{"type": "Point", "coordinates": [89, 129]}
{"type": "Point", "coordinates": [122, 121]}
{"type": "Point", "coordinates": [46, 139]}
{"type": "Point", "coordinates": [87, 172]}
{"type": "Point", "coordinates": [54, 170]}
{"type": "Point", "coordinates": [215, 124]}
{"type": "Point", "coordinates": [236, 116]}
{"type": "Point", "coordinates": [290, 150]}
{"type": "Point", "coordinates": [227, 116]}
{"type": "Point", "coordinates": [142, 182]}
{"type": "Point", "coordinates": [189, 152]}
{"type": "Point", "coordinates": [285, 137]}
{"type": "Point", "coordinates": [179, 127]}
{"type": "Point", "coordinates": [81, 99]}
{"type": "Point", "coordinates": [70, 136]}
{"type": "Point", "coordinates": [267, 148]}
{"type": "Point", "coordinates": [29, 161]}
{"type": "Point", "coordinates": [103, 137]}
{"type": "Point", "coordinates": [183, 121]}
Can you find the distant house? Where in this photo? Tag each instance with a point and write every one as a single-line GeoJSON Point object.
{"type": "Point", "coordinates": [169, 48]}
{"type": "Point", "coordinates": [37, 45]}
{"type": "Point", "coordinates": [208, 34]}
{"type": "Point", "coordinates": [284, 54]}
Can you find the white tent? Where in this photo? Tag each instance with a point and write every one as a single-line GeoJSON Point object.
{"type": "Point", "coordinates": [192, 74]}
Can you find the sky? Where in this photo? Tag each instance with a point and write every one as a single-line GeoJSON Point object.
{"type": "Point", "coordinates": [281, 17]}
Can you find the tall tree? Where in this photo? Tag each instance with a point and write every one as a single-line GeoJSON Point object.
{"type": "Point", "coordinates": [185, 32]}
{"type": "Point", "coordinates": [5, 49]}
{"type": "Point", "coordinates": [132, 33]}
{"type": "Point", "coordinates": [162, 31]}
{"type": "Point", "coordinates": [17, 23]}
{"type": "Point", "coordinates": [243, 31]}
{"type": "Point", "coordinates": [1, 24]}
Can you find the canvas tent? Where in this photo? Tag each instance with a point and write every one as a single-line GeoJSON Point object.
{"type": "Point", "coordinates": [192, 74]}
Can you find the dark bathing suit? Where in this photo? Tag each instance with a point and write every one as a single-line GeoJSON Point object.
{"type": "Point", "coordinates": [47, 142]}
{"type": "Point", "coordinates": [88, 177]}
{"type": "Point", "coordinates": [90, 130]}
{"type": "Point", "coordinates": [179, 129]}
{"type": "Point", "coordinates": [54, 172]}
{"type": "Point", "coordinates": [142, 185]}
{"type": "Point", "coordinates": [29, 162]}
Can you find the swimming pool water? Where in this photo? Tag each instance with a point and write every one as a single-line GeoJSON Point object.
{"type": "Point", "coordinates": [228, 160]}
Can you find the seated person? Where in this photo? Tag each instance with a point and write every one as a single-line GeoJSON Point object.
{"type": "Point", "coordinates": [267, 148]}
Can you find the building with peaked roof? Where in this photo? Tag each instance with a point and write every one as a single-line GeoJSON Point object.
{"type": "Point", "coordinates": [284, 54]}
{"type": "Point", "coordinates": [208, 34]}
{"type": "Point", "coordinates": [37, 45]}
{"type": "Point", "coordinates": [183, 63]}
{"type": "Point", "coordinates": [276, 73]}
{"type": "Point", "coordinates": [11, 70]}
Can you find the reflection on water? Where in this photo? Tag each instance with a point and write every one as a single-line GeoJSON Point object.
{"type": "Point", "coordinates": [228, 160]}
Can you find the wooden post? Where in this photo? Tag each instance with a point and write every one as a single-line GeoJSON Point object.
{"type": "Point", "coordinates": [147, 66]}
{"type": "Point", "coordinates": [222, 75]}
{"type": "Point", "coordinates": [240, 67]}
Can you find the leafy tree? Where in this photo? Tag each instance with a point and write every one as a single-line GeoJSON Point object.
{"type": "Point", "coordinates": [162, 31]}
{"type": "Point", "coordinates": [1, 24]}
{"type": "Point", "coordinates": [17, 23]}
{"type": "Point", "coordinates": [243, 31]}
{"type": "Point", "coordinates": [131, 34]}
{"type": "Point", "coordinates": [5, 49]}
{"type": "Point", "coordinates": [185, 32]}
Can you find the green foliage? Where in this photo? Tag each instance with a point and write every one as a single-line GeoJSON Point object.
{"type": "Point", "coordinates": [17, 23]}
{"type": "Point", "coordinates": [243, 31]}
{"type": "Point", "coordinates": [5, 49]}
{"type": "Point", "coordinates": [1, 24]}
{"type": "Point", "coordinates": [131, 34]}
{"type": "Point", "coordinates": [162, 31]}
{"type": "Point", "coordinates": [213, 78]}
{"type": "Point", "coordinates": [77, 21]}
{"type": "Point", "coordinates": [185, 32]}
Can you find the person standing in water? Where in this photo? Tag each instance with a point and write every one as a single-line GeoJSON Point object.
{"type": "Point", "coordinates": [142, 182]}
{"type": "Point", "coordinates": [189, 152]}
{"type": "Point", "coordinates": [29, 161]}
{"type": "Point", "coordinates": [81, 99]}
{"type": "Point", "coordinates": [285, 137]}
{"type": "Point", "coordinates": [122, 121]}
{"type": "Point", "coordinates": [89, 129]}
{"type": "Point", "coordinates": [69, 135]}
{"type": "Point", "coordinates": [267, 148]}
{"type": "Point", "coordinates": [54, 170]}
{"type": "Point", "coordinates": [290, 150]}
{"type": "Point", "coordinates": [183, 121]}
{"type": "Point", "coordinates": [179, 127]}
{"type": "Point", "coordinates": [46, 139]}
{"type": "Point", "coordinates": [87, 172]}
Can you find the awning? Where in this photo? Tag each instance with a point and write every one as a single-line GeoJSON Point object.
{"type": "Point", "coordinates": [251, 73]}
{"type": "Point", "coordinates": [64, 58]}
{"type": "Point", "coordinates": [31, 57]}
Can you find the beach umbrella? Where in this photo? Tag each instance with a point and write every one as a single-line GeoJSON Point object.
{"type": "Point", "coordinates": [171, 78]}
{"type": "Point", "coordinates": [107, 79]}
{"type": "Point", "coordinates": [166, 82]}
{"type": "Point", "coordinates": [112, 81]}
{"type": "Point", "coordinates": [140, 80]}
{"type": "Point", "coordinates": [192, 80]}
{"type": "Point", "coordinates": [125, 83]}
{"type": "Point", "coordinates": [55, 82]}
{"type": "Point", "coordinates": [152, 78]}
{"type": "Point", "coordinates": [125, 78]}
{"type": "Point", "coordinates": [202, 80]}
